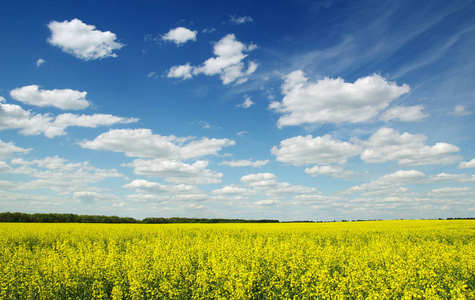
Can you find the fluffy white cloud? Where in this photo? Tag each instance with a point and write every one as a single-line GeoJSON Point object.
{"type": "Point", "coordinates": [267, 202]}
{"type": "Point", "coordinates": [267, 183]}
{"type": "Point", "coordinates": [245, 163]}
{"type": "Point", "coordinates": [176, 172]}
{"type": "Point", "coordinates": [63, 99]}
{"type": "Point", "coordinates": [333, 171]}
{"type": "Point", "coordinates": [247, 102]}
{"type": "Point", "coordinates": [157, 188]}
{"type": "Point", "coordinates": [408, 149]}
{"type": "Point", "coordinates": [444, 177]}
{"type": "Point", "coordinates": [233, 190]}
{"type": "Point", "coordinates": [321, 150]}
{"type": "Point", "coordinates": [8, 149]}
{"type": "Point", "coordinates": [384, 145]}
{"type": "Point", "coordinates": [14, 117]}
{"type": "Point", "coordinates": [334, 100]}
{"type": "Point", "coordinates": [82, 40]}
{"type": "Point", "coordinates": [40, 61]}
{"type": "Point", "coordinates": [461, 110]}
{"type": "Point", "coordinates": [228, 63]}
{"type": "Point", "coordinates": [180, 35]}
{"type": "Point", "coordinates": [60, 175]}
{"type": "Point", "coordinates": [143, 143]}
{"type": "Point", "coordinates": [91, 197]}
{"type": "Point", "coordinates": [403, 113]}
{"type": "Point", "coordinates": [260, 179]}
{"type": "Point", "coordinates": [467, 164]}
{"type": "Point", "coordinates": [240, 20]}
{"type": "Point", "coordinates": [452, 192]}
{"type": "Point", "coordinates": [390, 184]}
{"type": "Point", "coordinates": [183, 71]}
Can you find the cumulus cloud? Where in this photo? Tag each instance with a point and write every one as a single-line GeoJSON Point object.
{"type": "Point", "coordinates": [156, 188]}
{"type": "Point", "coordinates": [9, 149]}
{"type": "Point", "coordinates": [404, 114]}
{"type": "Point", "coordinates": [245, 163]}
{"type": "Point", "coordinates": [467, 164]}
{"type": "Point", "coordinates": [444, 177]}
{"type": "Point", "coordinates": [260, 179]}
{"type": "Point", "coordinates": [14, 117]}
{"type": "Point", "coordinates": [91, 197]}
{"type": "Point", "coordinates": [333, 171]}
{"type": "Point", "coordinates": [334, 100]}
{"type": "Point", "coordinates": [450, 192]}
{"type": "Point", "coordinates": [408, 149]}
{"type": "Point", "coordinates": [63, 99]}
{"type": "Point", "coordinates": [83, 41]}
{"type": "Point", "coordinates": [59, 174]}
{"type": "Point", "coordinates": [180, 35]}
{"type": "Point", "coordinates": [233, 190]}
{"type": "Point", "coordinates": [240, 20]}
{"type": "Point", "coordinates": [384, 145]}
{"type": "Point", "coordinates": [390, 184]}
{"type": "Point", "coordinates": [176, 172]}
{"type": "Point", "coordinates": [143, 143]}
{"type": "Point", "coordinates": [228, 63]}
{"type": "Point", "coordinates": [40, 62]}
{"type": "Point", "coordinates": [183, 71]}
{"type": "Point", "coordinates": [267, 202]}
{"type": "Point", "coordinates": [461, 110]}
{"type": "Point", "coordinates": [247, 102]}
{"type": "Point", "coordinates": [322, 150]}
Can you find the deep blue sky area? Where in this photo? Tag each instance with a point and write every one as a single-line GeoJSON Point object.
{"type": "Point", "coordinates": [315, 110]}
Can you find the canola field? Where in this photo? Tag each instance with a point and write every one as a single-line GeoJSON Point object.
{"type": "Point", "coordinates": [350, 260]}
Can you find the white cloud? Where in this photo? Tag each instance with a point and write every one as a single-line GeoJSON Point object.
{"type": "Point", "coordinates": [63, 99]}
{"type": "Point", "coordinates": [267, 202]}
{"type": "Point", "coordinates": [390, 184]}
{"type": "Point", "coordinates": [91, 197]}
{"type": "Point", "coordinates": [228, 63]}
{"type": "Point", "coordinates": [14, 117]}
{"type": "Point", "coordinates": [240, 20]}
{"type": "Point", "coordinates": [444, 177]}
{"type": "Point", "coordinates": [408, 149]}
{"type": "Point", "coordinates": [334, 100]}
{"type": "Point", "coordinates": [266, 183]}
{"type": "Point", "coordinates": [233, 190]}
{"type": "Point", "coordinates": [183, 71]}
{"type": "Point", "coordinates": [452, 192]}
{"type": "Point", "coordinates": [384, 145]}
{"type": "Point", "coordinates": [403, 113]}
{"type": "Point", "coordinates": [180, 35]}
{"type": "Point", "coordinates": [321, 150]}
{"type": "Point", "coordinates": [461, 110]}
{"type": "Point", "coordinates": [40, 61]}
{"type": "Point", "coordinates": [245, 163]}
{"type": "Point", "coordinates": [176, 172]}
{"type": "Point", "coordinates": [157, 188]}
{"type": "Point", "coordinates": [467, 164]}
{"type": "Point", "coordinates": [260, 179]}
{"type": "Point", "coordinates": [60, 175]}
{"type": "Point", "coordinates": [147, 198]}
{"type": "Point", "coordinates": [247, 102]}
{"type": "Point", "coordinates": [8, 149]}
{"type": "Point", "coordinates": [82, 40]}
{"type": "Point", "coordinates": [333, 171]}
{"type": "Point", "coordinates": [143, 143]}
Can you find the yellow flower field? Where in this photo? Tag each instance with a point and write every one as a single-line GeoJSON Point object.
{"type": "Point", "coordinates": [349, 260]}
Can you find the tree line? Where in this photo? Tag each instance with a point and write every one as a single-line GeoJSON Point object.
{"type": "Point", "coordinates": [74, 218]}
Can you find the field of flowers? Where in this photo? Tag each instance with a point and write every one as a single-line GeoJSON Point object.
{"type": "Point", "coordinates": [349, 260]}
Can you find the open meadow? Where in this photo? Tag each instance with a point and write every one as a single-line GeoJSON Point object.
{"type": "Point", "coordinates": [348, 260]}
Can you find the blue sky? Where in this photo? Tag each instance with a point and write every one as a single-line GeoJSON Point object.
{"type": "Point", "coordinates": [289, 110]}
